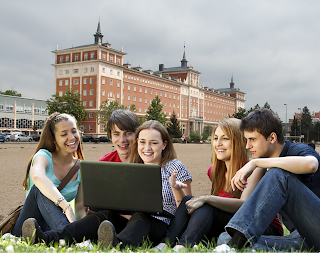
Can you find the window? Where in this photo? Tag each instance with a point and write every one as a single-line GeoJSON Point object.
{"type": "Point", "coordinates": [60, 93]}
{"type": "Point", "coordinates": [84, 103]}
{"type": "Point", "coordinates": [111, 72]}
{"type": "Point", "coordinates": [145, 90]}
{"type": "Point", "coordinates": [111, 58]}
{"type": "Point", "coordinates": [103, 93]}
{"type": "Point", "coordinates": [104, 56]}
{"type": "Point", "coordinates": [84, 127]}
{"type": "Point", "coordinates": [61, 72]}
{"type": "Point", "coordinates": [67, 71]}
{"type": "Point", "coordinates": [118, 95]}
{"type": "Point", "coordinates": [165, 103]}
{"type": "Point", "coordinates": [111, 82]}
{"type": "Point", "coordinates": [160, 93]}
{"type": "Point", "coordinates": [91, 80]}
{"type": "Point", "coordinates": [118, 84]}
{"type": "Point", "coordinates": [146, 100]}
{"type": "Point", "coordinates": [169, 95]}
{"type": "Point", "coordinates": [85, 81]}
{"type": "Point", "coordinates": [150, 101]}
{"type": "Point", "coordinates": [145, 109]}
{"type": "Point", "coordinates": [90, 115]}
{"type": "Point", "coordinates": [66, 82]}
{"type": "Point", "coordinates": [134, 98]}
{"type": "Point", "coordinates": [128, 86]}
{"type": "Point", "coordinates": [151, 92]}
{"type": "Point", "coordinates": [75, 70]}
{"type": "Point", "coordinates": [134, 88]}
{"type": "Point", "coordinates": [110, 94]}
{"type": "Point", "coordinates": [67, 58]}
{"type": "Point", "coordinates": [84, 92]}
{"type": "Point", "coordinates": [61, 59]}
{"type": "Point", "coordinates": [118, 73]}
{"type": "Point", "coordinates": [140, 99]}
{"type": "Point", "coordinates": [76, 81]}
{"type": "Point", "coordinates": [140, 89]}
{"type": "Point", "coordinates": [118, 60]}
{"type": "Point", "coordinates": [85, 70]}
{"type": "Point", "coordinates": [165, 94]}
{"type": "Point", "coordinates": [91, 92]}
{"type": "Point", "coordinates": [139, 109]}
{"type": "Point", "coordinates": [85, 56]}
{"type": "Point", "coordinates": [103, 81]}
{"type": "Point", "coordinates": [91, 103]}
{"type": "Point", "coordinates": [92, 56]}
{"type": "Point", "coordinates": [90, 127]}
{"type": "Point", "coordinates": [156, 93]}
{"type": "Point", "coordinates": [128, 97]}
{"type": "Point", "coordinates": [60, 82]}
{"type": "Point", "coordinates": [76, 57]}
{"type": "Point", "coordinates": [103, 70]}
{"type": "Point", "coordinates": [170, 104]}
{"type": "Point", "coordinates": [91, 69]}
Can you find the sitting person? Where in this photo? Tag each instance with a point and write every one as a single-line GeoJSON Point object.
{"type": "Point", "coordinates": [291, 185]}
{"type": "Point", "coordinates": [152, 146]}
{"type": "Point", "coordinates": [206, 216]}
{"type": "Point", "coordinates": [57, 152]}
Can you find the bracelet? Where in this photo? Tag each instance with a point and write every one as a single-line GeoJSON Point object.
{"type": "Point", "coordinates": [179, 200]}
{"type": "Point", "coordinates": [57, 203]}
{"type": "Point", "coordinates": [65, 209]}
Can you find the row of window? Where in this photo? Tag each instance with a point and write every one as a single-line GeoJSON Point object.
{"type": "Point", "coordinates": [86, 57]}
{"type": "Point", "coordinates": [20, 123]}
{"type": "Point", "coordinates": [6, 107]}
{"type": "Point", "coordinates": [152, 82]}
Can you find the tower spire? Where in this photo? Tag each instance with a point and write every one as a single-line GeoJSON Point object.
{"type": "Point", "coordinates": [98, 35]}
{"type": "Point", "coordinates": [232, 83]}
{"type": "Point", "coordinates": [184, 62]}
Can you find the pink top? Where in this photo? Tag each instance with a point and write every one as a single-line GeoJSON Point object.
{"type": "Point", "coordinates": [111, 157]}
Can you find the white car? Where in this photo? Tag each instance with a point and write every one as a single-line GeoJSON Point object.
{"type": "Point", "coordinates": [20, 137]}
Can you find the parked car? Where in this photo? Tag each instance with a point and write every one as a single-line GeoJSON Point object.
{"type": "Point", "coordinates": [90, 138]}
{"type": "Point", "coordinates": [7, 136]}
{"type": "Point", "coordinates": [20, 137]}
{"type": "Point", "coordinates": [35, 137]}
{"type": "Point", "coordinates": [2, 137]}
{"type": "Point", "coordinates": [104, 139]}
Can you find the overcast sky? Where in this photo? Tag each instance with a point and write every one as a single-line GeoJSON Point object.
{"type": "Point", "coordinates": [270, 47]}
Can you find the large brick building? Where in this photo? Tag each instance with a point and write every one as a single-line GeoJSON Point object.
{"type": "Point", "coordinates": [98, 72]}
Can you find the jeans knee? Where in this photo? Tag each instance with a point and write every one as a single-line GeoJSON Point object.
{"type": "Point", "coordinates": [186, 198]}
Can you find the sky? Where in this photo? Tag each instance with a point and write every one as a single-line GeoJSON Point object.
{"type": "Point", "coordinates": [271, 48]}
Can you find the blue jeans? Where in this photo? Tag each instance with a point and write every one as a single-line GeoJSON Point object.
{"type": "Point", "coordinates": [38, 206]}
{"type": "Point", "coordinates": [279, 189]}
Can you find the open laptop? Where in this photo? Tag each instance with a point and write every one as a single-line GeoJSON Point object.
{"type": "Point", "coordinates": [125, 187]}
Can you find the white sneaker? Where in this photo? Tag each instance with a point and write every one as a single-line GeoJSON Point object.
{"type": "Point", "coordinates": [86, 244]}
{"type": "Point", "coordinates": [179, 248]}
{"type": "Point", "coordinates": [160, 247]}
{"type": "Point", "coordinates": [224, 248]}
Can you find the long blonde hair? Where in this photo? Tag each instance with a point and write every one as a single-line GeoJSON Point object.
{"type": "Point", "coordinates": [47, 140]}
{"type": "Point", "coordinates": [221, 177]}
{"type": "Point", "coordinates": [168, 153]}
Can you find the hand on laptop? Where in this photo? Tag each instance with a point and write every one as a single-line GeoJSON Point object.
{"type": "Point", "coordinates": [174, 183]}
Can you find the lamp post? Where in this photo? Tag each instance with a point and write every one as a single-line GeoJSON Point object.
{"type": "Point", "coordinates": [300, 122]}
{"type": "Point", "coordinates": [285, 124]}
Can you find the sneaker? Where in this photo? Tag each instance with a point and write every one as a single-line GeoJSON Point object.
{"type": "Point", "coordinates": [223, 248]}
{"type": "Point", "coordinates": [107, 234]}
{"type": "Point", "coordinates": [31, 231]}
{"type": "Point", "coordinates": [179, 247]}
{"type": "Point", "coordinates": [160, 247]}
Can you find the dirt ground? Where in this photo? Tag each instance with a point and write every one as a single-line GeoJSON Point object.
{"type": "Point", "coordinates": [15, 156]}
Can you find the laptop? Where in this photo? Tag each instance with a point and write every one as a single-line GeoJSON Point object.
{"type": "Point", "coordinates": [124, 187]}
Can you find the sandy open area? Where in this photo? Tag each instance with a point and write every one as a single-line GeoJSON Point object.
{"type": "Point", "coordinates": [15, 156]}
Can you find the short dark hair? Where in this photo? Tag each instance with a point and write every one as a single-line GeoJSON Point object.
{"type": "Point", "coordinates": [265, 122]}
{"type": "Point", "coordinates": [125, 120]}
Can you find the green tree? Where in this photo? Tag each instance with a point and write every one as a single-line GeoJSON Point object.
{"type": "Point", "coordinates": [34, 127]}
{"type": "Point", "coordinates": [11, 93]}
{"type": "Point", "coordinates": [195, 137]}
{"type": "Point", "coordinates": [306, 123]}
{"type": "Point", "coordinates": [204, 136]}
{"type": "Point", "coordinates": [208, 130]}
{"type": "Point", "coordinates": [242, 113]}
{"type": "Point", "coordinates": [107, 107]}
{"type": "Point", "coordinates": [154, 111]}
{"type": "Point", "coordinates": [316, 131]}
{"type": "Point", "coordinates": [267, 106]}
{"type": "Point", "coordinates": [295, 127]}
{"type": "Point", "coordinates": [173, 127]}
{"type": "Point", "coordinates": [69, 103]}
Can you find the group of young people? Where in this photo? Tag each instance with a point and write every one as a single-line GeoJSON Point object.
{"type": "Point", "coordinates": [246, 195]}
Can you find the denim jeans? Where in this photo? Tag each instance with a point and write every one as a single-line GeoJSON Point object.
{"type": "Point", "coordinates": [38, 206]}
{"type": "Point", "coordinates": [279, 189]}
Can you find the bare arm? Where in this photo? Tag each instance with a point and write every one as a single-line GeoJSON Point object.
{"type": "Point", "coordinates": [294, 164]}
{"type": "Point", "coordinates": [230, 205]}
{"type": "Point", "coordinates": [46, 186]}
{"type": "Point", "coordinates": [80, 209]}
{"type": "Point", "coordinates": [179, 189]}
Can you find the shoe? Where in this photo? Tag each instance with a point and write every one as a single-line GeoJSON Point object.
{"type": "Point", "coordinates": [160, 247]}
{"type": "Point", "coordinates": [223, 248]}
{"type": "Point", "coordinates": [179, 247]}
{"type": "Point", "coordinates": [32, 232]}
{"type": "Point", "coordinates": [107, 234]}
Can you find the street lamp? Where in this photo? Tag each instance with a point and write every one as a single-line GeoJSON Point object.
{"type": "Point", "coordinates": [300, 122]}
{"type": "Point", "coordinates": [285, 124]}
